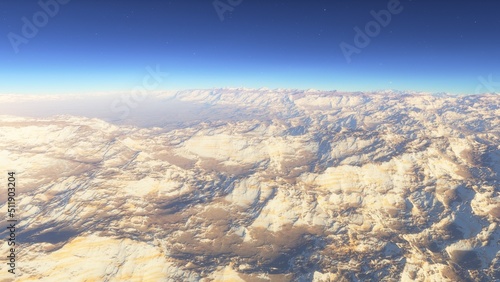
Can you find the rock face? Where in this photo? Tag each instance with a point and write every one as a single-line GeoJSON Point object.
{"type": "Point", "coordinates": [261, 185]}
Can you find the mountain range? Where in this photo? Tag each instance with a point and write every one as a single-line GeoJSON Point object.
{"type": "Point", "coordinates": [255, 185]}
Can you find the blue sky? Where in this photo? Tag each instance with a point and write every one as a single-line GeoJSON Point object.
{"type": "Point", "coordinates": [97, 46]}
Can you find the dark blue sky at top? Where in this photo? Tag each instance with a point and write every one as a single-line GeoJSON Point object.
{"type": "Point", "coordinates": [93, 46]}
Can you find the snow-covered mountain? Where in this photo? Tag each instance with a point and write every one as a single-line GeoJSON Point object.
{"type": "Point", "coordinates": [259, 185]}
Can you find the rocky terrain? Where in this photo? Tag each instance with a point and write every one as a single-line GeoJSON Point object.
{"type": "Point", "coordinates": [261, 185]}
